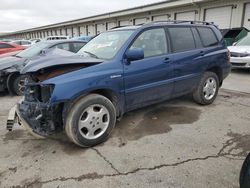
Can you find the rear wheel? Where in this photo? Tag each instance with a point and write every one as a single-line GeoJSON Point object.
{"type": "Point", "coordinates": [207, 90]}
{"type": "Point", "coordinates": [90, 120]}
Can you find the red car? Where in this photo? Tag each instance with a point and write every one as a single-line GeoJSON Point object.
{"type": "Point", "coordinates": [7, 47]}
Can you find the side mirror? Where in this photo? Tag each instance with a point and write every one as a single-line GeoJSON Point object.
{"type": "Point", "coordinates": [234, 44]}
{"type": "Point", "coordinates": [135, 54]}
{"type": "Point", "coordinates": [43, 52]}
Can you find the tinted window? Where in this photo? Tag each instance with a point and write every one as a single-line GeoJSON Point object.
{"type": "Point", "coordinates": [64, 46]}
{"type": "Point", "coordinates": [197, 38]}
{"type": "Point", "coordinates": [5, 46]}
{"type": "Point", "coordinates": [182, 39]}
{"type": "Point", "coordinates": [25, 42]}
{"type": "Point", "coordinates": [152, 41]}
{"type": "Point", "coordinates": [77, 46]}
{"type": "Point", "coordinates": [207, 36]}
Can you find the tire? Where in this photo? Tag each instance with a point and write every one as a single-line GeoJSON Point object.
{"type": "Point", "coordinates": [245, 173]}
{"type": "Point", "coordinates": [90, 120]}
{"type": "Point", "coordinates": [18, 84]}
{"type": "Point", "coordinates": [207, 90]}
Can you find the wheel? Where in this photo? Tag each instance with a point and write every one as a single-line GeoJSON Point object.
{"type": "Point", "coordinates": [207, 90]}
{"type": "Point", "coordinates": [245, 173]}
{"type": "Point", "coordinates": [90, 120]}
{"type": "Point", "coordinates": [18, 85]}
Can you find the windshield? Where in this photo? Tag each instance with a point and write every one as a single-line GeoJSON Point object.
{"type": "Point", "coordinates": [33, 51]}
{"type": "Point", "coordinates": [106, 45]}
{"type": "Point", "coordinates": [244, 42]}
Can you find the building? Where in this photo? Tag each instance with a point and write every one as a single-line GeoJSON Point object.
{"type": "Point", "coordinates": [224, 13]}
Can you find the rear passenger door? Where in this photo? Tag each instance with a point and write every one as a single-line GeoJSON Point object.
{"type": "Point", "coordinates": [188, 54]}
{"type": "Point", "coordinates": [149, 80]}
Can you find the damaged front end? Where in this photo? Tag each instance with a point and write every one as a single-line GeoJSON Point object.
{"type": "Point", "coordinates": [37, 112]}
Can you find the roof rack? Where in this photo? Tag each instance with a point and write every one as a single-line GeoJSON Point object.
{"type": "Point", "coordinates": [181, 22]}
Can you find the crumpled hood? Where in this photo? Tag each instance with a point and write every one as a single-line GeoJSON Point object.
{"type": "Point", "coordinates": [52, 61]}
{"type": "Point", "coordinates": [11, 61]}
{"type": "Point", "coordinates": [239, 49]}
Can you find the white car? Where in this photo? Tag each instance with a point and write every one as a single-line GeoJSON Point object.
{"type": "Point", "coordinates": [240, 53]}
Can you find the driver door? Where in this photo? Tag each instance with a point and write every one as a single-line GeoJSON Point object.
{"type": "Point", "coordinates": [150, 79]}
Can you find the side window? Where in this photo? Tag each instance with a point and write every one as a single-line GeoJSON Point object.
{"type": "Point", "coordinates": [2, 46]}
{"type": "Point", "coordinates": [64, 46]}
{"type": "Point", "coordinates": [25, 42]}
{"type": "Point", "coordinates": [197, 38]}
{"type": "Point", "coordinates": [153, 42]}
{"type": "Point", "coordinates": [77, 46]}
{"type": "Point", "coordinates": [182, 39]}
{"type": "Point", "coordinates": [207, 36]}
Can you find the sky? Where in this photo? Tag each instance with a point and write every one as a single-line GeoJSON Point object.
{"type": "Point", "coordinates": [24, 14]}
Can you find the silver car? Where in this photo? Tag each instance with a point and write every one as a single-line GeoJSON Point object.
{"type": "Point", "coordinates": [240, 53]}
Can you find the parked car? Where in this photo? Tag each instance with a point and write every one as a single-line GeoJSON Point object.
{"type": "Point", "coordinates": [240, 53]}
{"type": "Point", "coordinates": [57, 38]}
{"type": "Point", "coordinates": [7, 47]}
{"type": "Point", "coordinates": [122, 70]}
{"type": "Point", "coordinates": [25, 43]}
{"type": "Point", "coordinates": [245, 173]}
{"type": "Point", "coordinates": [10, 66]}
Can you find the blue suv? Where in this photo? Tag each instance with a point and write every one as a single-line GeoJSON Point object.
{"type": "Point", "coordinates": [121, 70]}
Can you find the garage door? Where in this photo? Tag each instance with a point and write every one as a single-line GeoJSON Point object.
{"type": "Point", "coordinates": [220, 16]}
{"type": "Point", "coordinates": [91, 30]}
{"type": "Point", "coordinates": [75, 32]}
{"type": "Point", "coordinates": [100, 28]}
{"type": "Point", "coordinates": [185, 15]}
{"type": "Point", "coordinates": [58, 32]}
{"type": "Point", "coordinates": [69, 32]}
{"type": "Point", "coordinates": [139, 21]}
{"type": "Point", "coordinates": [124, 23]}
{"type": "Point", "coordinates": [111, 25]}
{"type": "Point", "coordinates": [247, 16]}
{"type": "Point", "coordinates": [83, 30]}
{"type": "Point", "coordinates": [64, 32]}
{"type": "Point", "coordinates": [160, 18]}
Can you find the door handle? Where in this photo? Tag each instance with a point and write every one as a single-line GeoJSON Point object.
{"type": "Point", "coordinates": [167, 60]}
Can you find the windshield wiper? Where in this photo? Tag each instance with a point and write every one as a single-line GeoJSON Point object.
{"type": "Point", "coordinates": [91, 54]}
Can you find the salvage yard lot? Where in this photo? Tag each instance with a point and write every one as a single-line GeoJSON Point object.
{"type": "Point", "coordinates": [173, 144]}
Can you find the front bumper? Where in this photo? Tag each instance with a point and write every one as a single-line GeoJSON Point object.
{"type": "Point", "coordinates": [240, 62]}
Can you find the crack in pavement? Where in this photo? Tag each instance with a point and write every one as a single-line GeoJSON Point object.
{"type": "Point", "coordinates": [105, 159]}
{"type": "Point", "coordinates": [93, 176]}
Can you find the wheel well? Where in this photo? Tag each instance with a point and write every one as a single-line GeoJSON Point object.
{"type": "Point", "coordinates": [112, 97]}
{"type": "Point", "coordinates": [218, 72]}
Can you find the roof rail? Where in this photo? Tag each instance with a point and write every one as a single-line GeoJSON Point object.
{"type": "Point", "coordinates": [181, 22]}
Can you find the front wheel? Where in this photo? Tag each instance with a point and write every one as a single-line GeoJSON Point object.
{"type": "Point", "coordinates": [207, 90]}
{"type": "Point", "coordinates": [19, 84]}
{"type": "Point", "coordinates": [90, 120]}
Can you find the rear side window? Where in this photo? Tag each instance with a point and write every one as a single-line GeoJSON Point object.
{"type": "Point", "coordinates": [207, 36]}
{"type": "Point", "coordinates": [182, 39]}
{"type": "Point", "coordinates": [197, 38]}
{"type": "Point", "coordinates": [64, 46]}
{"type": "Point", "coordinates": [2, 46]}
{"type": "Point", "coordinates": [77, 46]}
